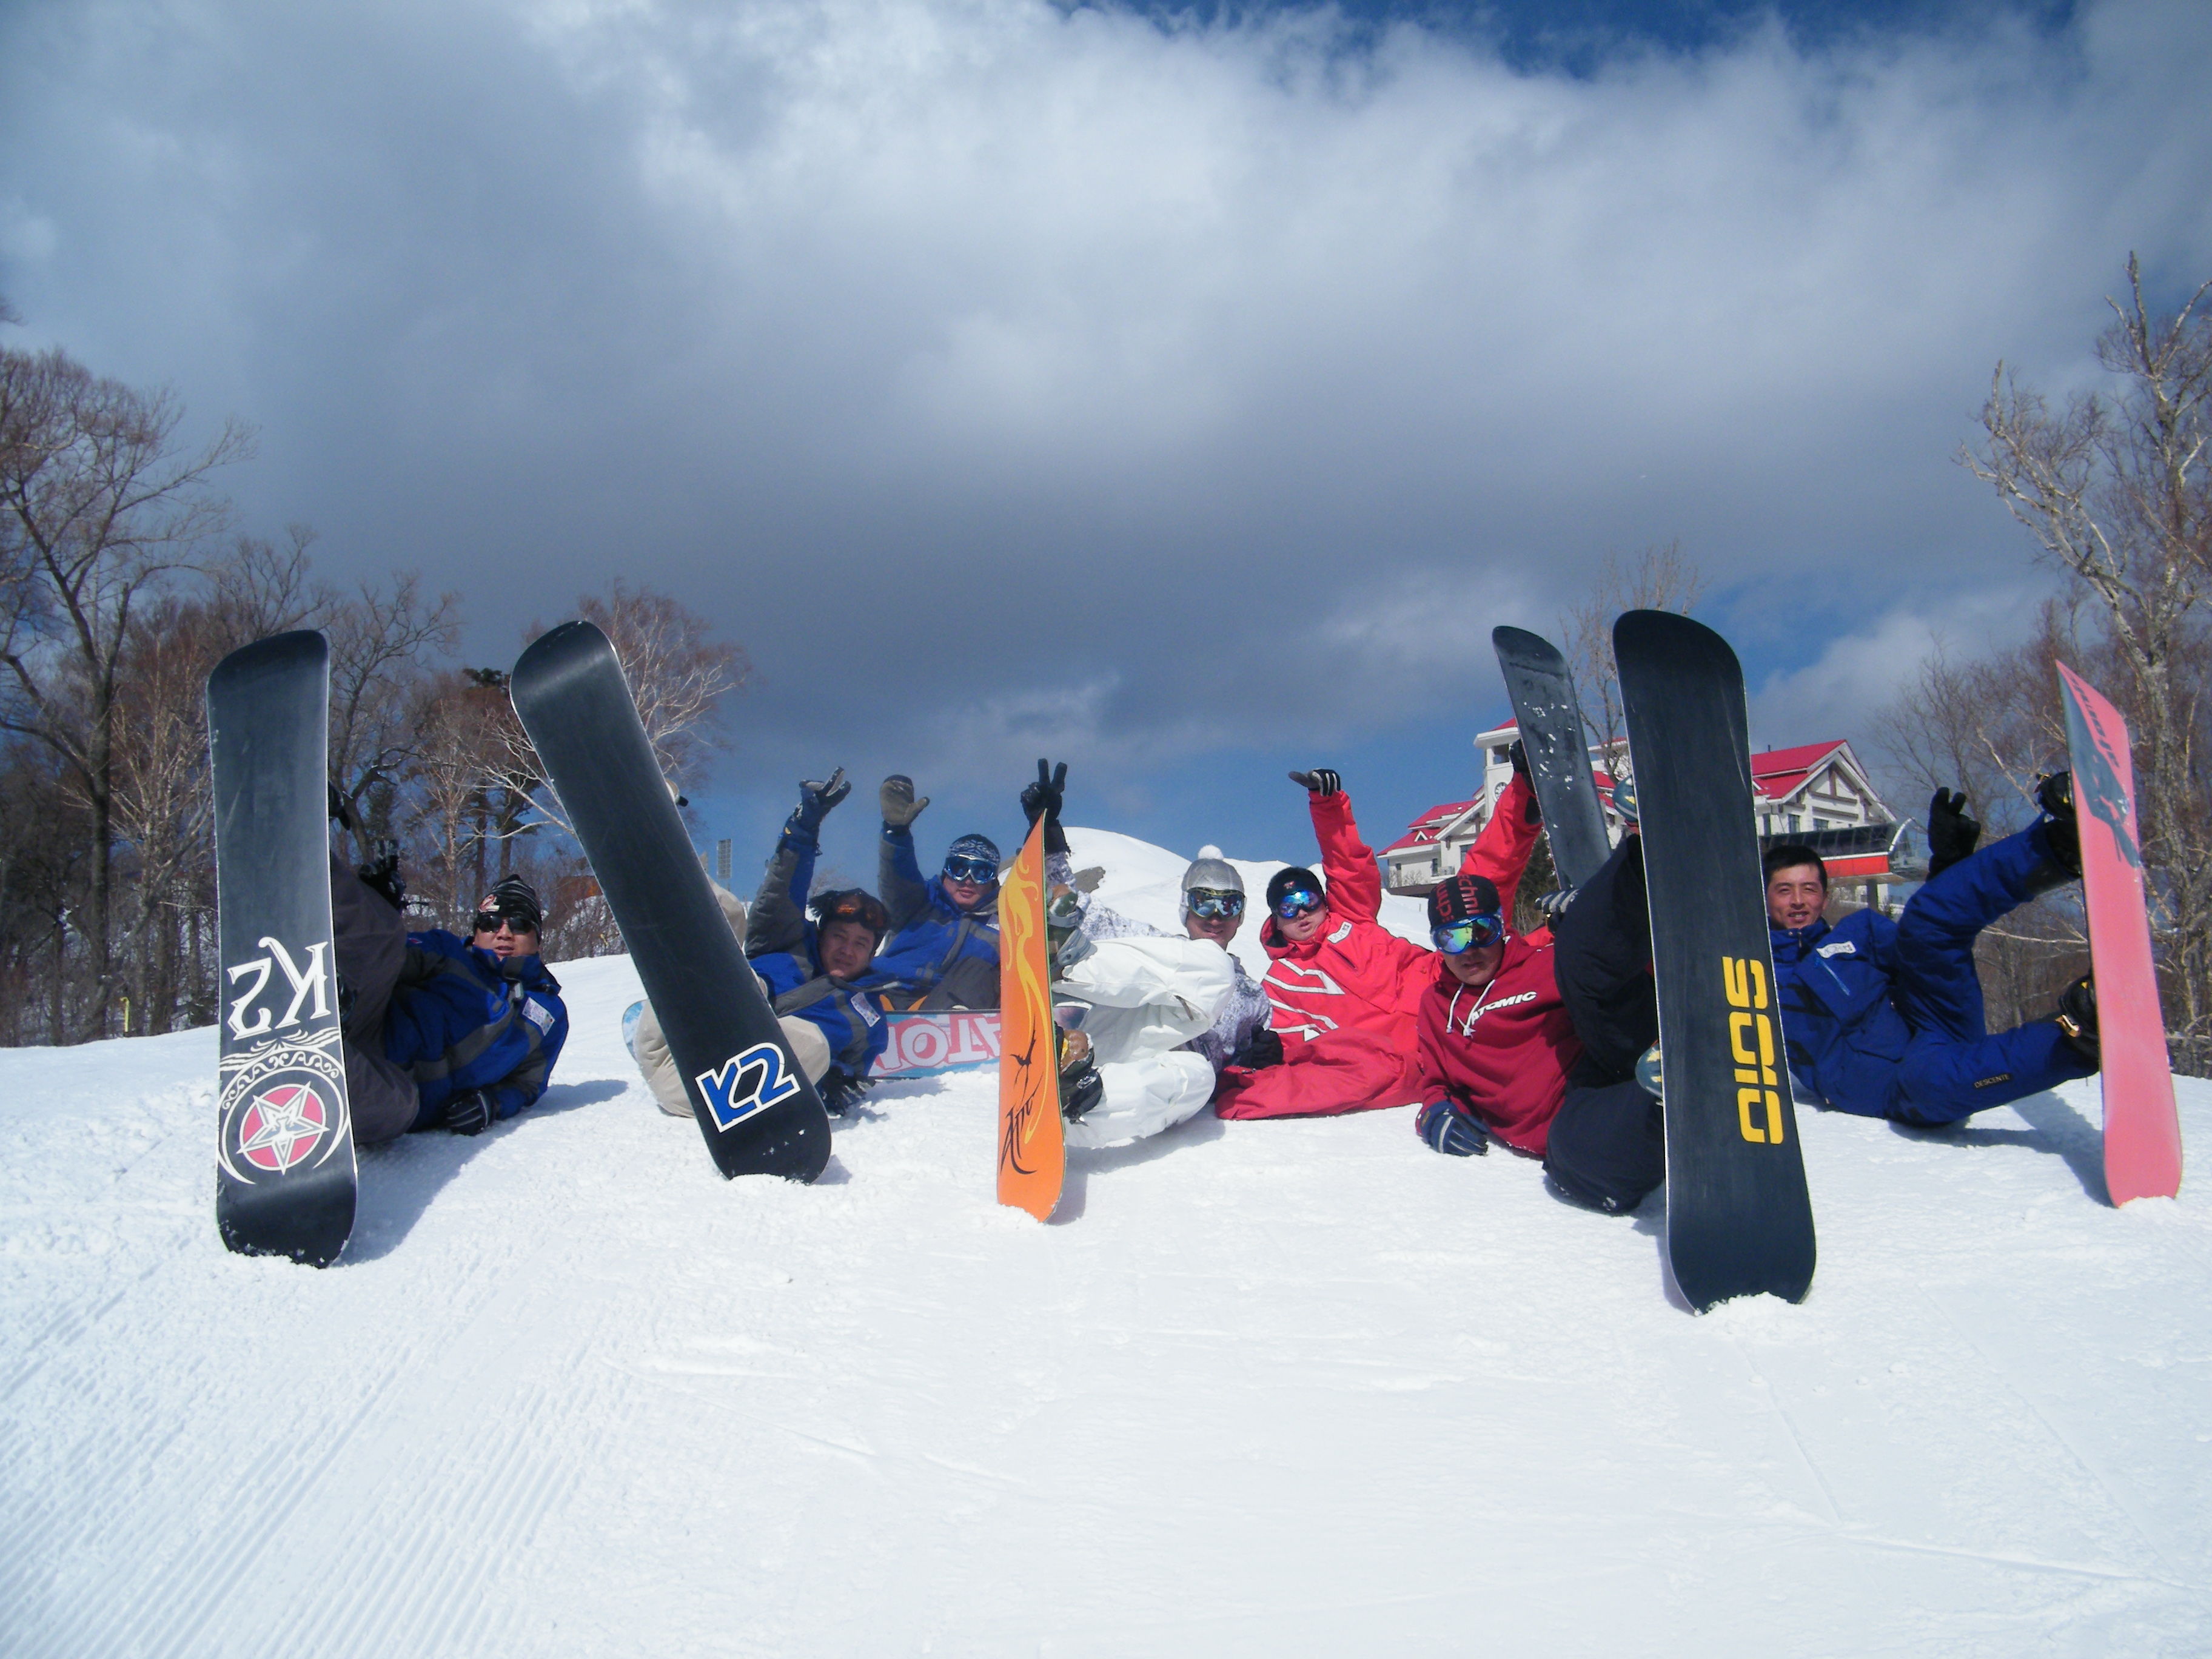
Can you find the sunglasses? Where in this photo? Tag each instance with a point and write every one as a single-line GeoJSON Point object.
{"type": "Point", "coordinates": [1293, 905]}
{"type": "Point", "coordinates": [489, 922]}
{"type": "Point", "coordinates": [1210, 905]}
{"type": "Point", "coordinates": [1468, 933]}
{"type": "Point", "coordinates": [981, 871]}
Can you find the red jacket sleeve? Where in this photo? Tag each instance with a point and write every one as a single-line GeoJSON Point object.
{"type": "Point", "coordinates": [1347, 863]}
{"type": "Point", "coordinates": [1501, 852]}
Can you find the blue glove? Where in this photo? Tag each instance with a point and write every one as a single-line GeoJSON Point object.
{"type": "Point", "coordinates": [816, 799]}
{"type": "Point", "coordinates": [1451, 1128]}
{"type": "Point", "coordinates": [469, 1114]}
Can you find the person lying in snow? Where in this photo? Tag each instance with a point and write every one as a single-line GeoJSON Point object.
{"type": "Point", "coordinates": [1344, 990]}
{"type": "Point", "coordinates": [1885, 1018]}
{"type": "Point", "coordinates": [1534, 1040]}
{"type": "Point", "coordinates": [943, 951]}
{"type": "Point", "coordinates": [816, 973]}
{"type": "Point", "coordinates": [1148, 998]}
{"type": "Point", "coordinates": [440, 1032]}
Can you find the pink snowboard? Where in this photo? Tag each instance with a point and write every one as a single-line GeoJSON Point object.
{"type": "Point", "coordinates": [2143, 1133]}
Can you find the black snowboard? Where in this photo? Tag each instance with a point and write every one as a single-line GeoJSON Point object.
{"type": "Point", "coordinates": [1551, 723]}
{"type": "Point", "coordinates": [284, 1163]}
{"type": "Point", "coordinates": [1738, 1218]}
{"type": "Point", "coordinates": [758, 1112]}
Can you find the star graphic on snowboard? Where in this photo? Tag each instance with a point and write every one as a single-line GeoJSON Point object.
{"type": "Point", "coordinates": [282, 1126]}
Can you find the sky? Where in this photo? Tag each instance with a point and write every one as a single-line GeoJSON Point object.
{"type": "Point", "coordinates": [1182, 392]}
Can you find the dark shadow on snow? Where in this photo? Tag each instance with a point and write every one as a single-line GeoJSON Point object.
{"type": "Point", "coordinates": [2055, 1128]}
{"type": "Point", "coordinates": [1083, 1164]}
{"type": "Point", "coordinates": [400, 1179]}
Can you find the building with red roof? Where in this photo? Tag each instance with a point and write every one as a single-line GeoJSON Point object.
{"type": "Point", "coordinates": [1817, 793]}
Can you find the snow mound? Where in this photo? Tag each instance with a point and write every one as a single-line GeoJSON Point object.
{"type": "Point", "coordinates": [1262, 1388]}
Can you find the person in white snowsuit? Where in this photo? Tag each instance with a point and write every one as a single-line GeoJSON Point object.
{"type": "Point", "coordinates": [1149, 997]}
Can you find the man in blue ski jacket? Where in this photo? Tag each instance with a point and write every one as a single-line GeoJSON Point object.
{"type": "Point", "coordinates": [442, 1032]}
{"type": "Point", "coordinates": [1885, 1018]}
{"type": "Point", "coordinates": [820, 969]}
{"type": "Point", "coordinates": [943, 951]}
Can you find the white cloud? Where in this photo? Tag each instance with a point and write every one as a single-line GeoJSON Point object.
{"type": "Point", "coordinates": [1083, 365]}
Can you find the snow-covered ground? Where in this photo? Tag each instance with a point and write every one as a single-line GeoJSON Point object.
{"type": "Point", "coordinates": [1262, 1389]}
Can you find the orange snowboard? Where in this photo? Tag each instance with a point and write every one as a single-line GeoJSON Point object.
{"type": "Point", "coordinates": [1032, 1156]}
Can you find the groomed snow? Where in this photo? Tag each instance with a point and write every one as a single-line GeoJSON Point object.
{"type": "Point", "coordinates": [1262, 1388]}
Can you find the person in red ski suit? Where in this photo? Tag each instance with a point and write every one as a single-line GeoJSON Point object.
{"type": "Point", "coordinates": [1344, 990]}
{"type": "Point", "coordinates": [1536, 1041]}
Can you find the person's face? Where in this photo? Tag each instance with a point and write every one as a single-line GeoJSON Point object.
{"type": "Point", "coordinates": [1476, 968]}
{"type": "Point", "coordinates": [505, 937]}
{"type": "Point", "coordinates": [847, 948]}
{"type": "Point", "coordinates": [964, 895]}
{"type": "Point", "coordinates": [1796, 896]}
{"type": "Point", "coordinates": [1219, 928]}
{"type": "Point", "coordinates": [1301, 929]}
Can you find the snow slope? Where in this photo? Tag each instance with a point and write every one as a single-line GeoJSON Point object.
{"type": "Point", "coordinates": [1262, 1389]}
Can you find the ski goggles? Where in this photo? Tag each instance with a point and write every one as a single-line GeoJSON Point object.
{"type": "Point", "coordinates": [518, 919]}
{"type": "Point", "coordinates": [1301, 902]}
{"type": "Point", "coordinates": [1468, 933]}
{"type": "Point", "coordinates": [1209, 904]}
{"type": "Point", "coordinates": [980, 872]}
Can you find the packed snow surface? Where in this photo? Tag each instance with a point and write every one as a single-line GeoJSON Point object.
{"type": "Point", "coordinates": [1260, 1389]}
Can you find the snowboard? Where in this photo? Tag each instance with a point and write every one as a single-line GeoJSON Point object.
{"type": "Point", "coordinates": [1739, 1220]}
{"type": "Point", "coordinates": [284, 1156]}
{"type": "Point", "coordinates": [2142, 1132]}
{"type": "Point", "coordinates": [758, 1113]}
{"type": "Point", "coordinates": [1550, 719]}
{"type": "Point", "coordinates": [1032, 1151]}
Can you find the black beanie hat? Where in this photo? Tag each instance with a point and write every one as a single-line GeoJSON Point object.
{"type": "Point", "coordinates": [1295, 879]}
{"type": "Point", "coordinates": [1462, 896]}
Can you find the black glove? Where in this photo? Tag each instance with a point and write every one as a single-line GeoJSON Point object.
{"type": "Point", "coordinates": [1451, 1129]}
{"type": "Point", "coordinates": [841, 1091]}
{"type": "Point", "coordinates": [1518, 754]}
{"type": "Point", "coordinates": [1951, 832]}
{"type": "Point", "coordinates": [815, 800]}
{"type": "Point", "coordinates": [1263, 1048]}
{"type": "Point", "coordinates": [900, 807]}
{"type": "Point", "coordinates": [469, 1114]}
{"type": "Point", "coordinates": [2077, 1019]}
{"type": "Point", "coordinates": [1043, 798]}
{"type": "Point", "coordinates": [1320, 781]}
{"type": "Point", "coordinates": [1552, 906]}
{"type": "Point", "coordinates": [2062, 828]}
{"type": "Point", "coordinates": [382, 876]}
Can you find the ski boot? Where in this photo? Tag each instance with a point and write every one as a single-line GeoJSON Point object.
{"type": "Point", "coordinates": [2062, 832]}
{"type": "Point", "coordinates": [1081, 1088]}
{"type": "Point", "coordinates": [2077, 1019]}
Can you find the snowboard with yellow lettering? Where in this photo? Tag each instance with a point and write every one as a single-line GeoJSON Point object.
{"type": "Point", "coordinates": [1739, 1220]}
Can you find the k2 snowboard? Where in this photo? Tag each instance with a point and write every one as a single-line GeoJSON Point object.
{"type": "Point", "coordinates": [1739, 1221]}
{"type": "Point", "coordinates": [1032, 1150]}
{"type": "Point", "coordinates": [757, 1111]}
{"type": "Point", "coordinates": [1550, 720]}
{"type": "Point", "coordinates": [284, 1160]}
{"type": "Point", "coordinates": [2142, 1132]}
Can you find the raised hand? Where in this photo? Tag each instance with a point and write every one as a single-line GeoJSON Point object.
{"type": "Point", "coordinates": [816, 799]}
{"type": "Point", "coordinates": [1320, 781]}
{"type": "Point", "coordinates": [897, 799]}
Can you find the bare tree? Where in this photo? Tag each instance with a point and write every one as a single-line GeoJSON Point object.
{"type": "Point", "coordinates": [677, 675]}
{"type": "Point", "coordinates": [1658, 579]}
{"type": "Point", "coordinates": [99, 507]}
{"type": "Point", "coordinates": [380, 638]}
{"type": "Point", "coordinates": [2116, 491]}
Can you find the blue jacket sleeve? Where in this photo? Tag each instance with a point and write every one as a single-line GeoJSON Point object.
{"type": "Point", "coordinates": [777, 921]}
{"type": "Point", "coordinates": [898, 873]}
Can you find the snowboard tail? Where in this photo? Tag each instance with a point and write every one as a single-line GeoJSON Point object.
{"type": "Point", "coordinates": [755, 1109]}
{"type": "Point", "coordinates": [1738, 1219]}
{"type": "Point", "coordinates": [1032, 1145]}
{"type": "Point", "coordinates": [2142, 1129]}
{"type": "Point", "coordinates": [285, 1174]}
{"type": "Point", "coordinates": [1550, 719]}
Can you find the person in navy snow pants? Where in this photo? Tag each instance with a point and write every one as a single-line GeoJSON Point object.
{"type": "Point", "coordinates": [1885, 1019]}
